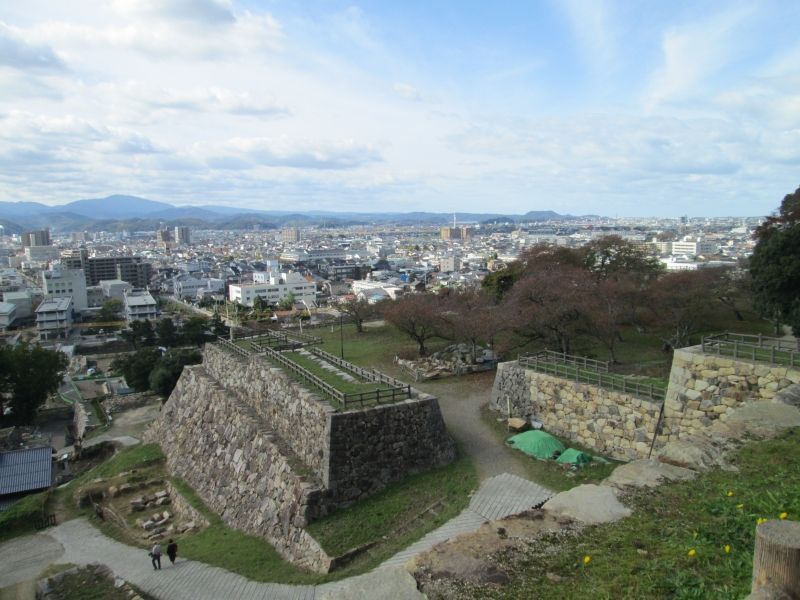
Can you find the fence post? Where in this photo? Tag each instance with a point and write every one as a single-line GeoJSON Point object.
{"type": "Point", "coordinates": [623, 385]}
{"type": "Point", "coordinates": [735, 348]}
{"type": "Point", "coordinates": [771, 354]}
{"type": "Point", "coordinates": [759, 340]}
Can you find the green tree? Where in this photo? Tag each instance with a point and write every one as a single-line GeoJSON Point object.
{"type": "Point", "coordinates": [136, 367]}
{"type": "Point", "coordinates": [775, 265]}
{"type": "Point", "coordinates": [218, 328]}
{"type": "Point", "coordinates": [358, 311]}
{"type": "Point", "coordinates": [260, 304]}
{"type": "Point", "coordinates": [140, 333]}
{"type": "Point", "coordinates": [165, 375]}
{"type": "Point", "coordinates": [28, 375]}
{"type": "Point", "coordinates": [167, 333]}
{"type": "Point", "coordinates": [287, 303]}
{"type": "Point", "coordinates": [109, 311]}
{"type": "Point", "coordinates": [195, 331]}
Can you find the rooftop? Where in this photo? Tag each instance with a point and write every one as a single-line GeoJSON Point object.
{"type": "Point", "coordinates": [25, 470]}
{"type": "Point", "coordinates": [55, 304]}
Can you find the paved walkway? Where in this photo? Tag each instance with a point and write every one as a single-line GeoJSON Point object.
{"type": "Point", "coordinates": [460, 400]}
{"type": "Point", "coordinates": [78, 542]}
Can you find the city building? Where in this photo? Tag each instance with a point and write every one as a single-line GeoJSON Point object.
{"type": "Point", "coordinates": [115, 289]}
{"type": "Point", "coordinates": [694, 247]}
{"type": "Point", "coordinates": [99, 268]}
{"type": "Point", "coordinates": [59, 282]}
{"type": "Point", "coordinates": [313, 255]}
{"type": "Point", "coordinates": [8, 314]}
{"type": "Point", "coordinates": [40, 237]}
{"type": "Point", "coordinates": [22, 300]}
{"type": "Point", "coordinates": [183, 235]}
{"type": "Point", "coordinates": [290, 235]}
{"type": "Point", "coordinates": [274, 288]}
{"type": "Point", "coordinates": [140, 306]}
{"type": "Point", "coordinates": [54, 318]}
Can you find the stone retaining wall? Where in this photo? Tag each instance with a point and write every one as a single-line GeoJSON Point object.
{"type": "Point", "coordinates": [609, 422]}
{"type": "Point", "coordinates": [270, 456]}
{"type": "Point", "coordinates": [225, 452]}
{"type": "Point", "coordinates": [296, 414]}
{"type": "Point", "coordinates": [702, 388]}
{"type": "Point", "coordinates": [706, 387]}
{"type": "Point", "coordinates": [373, 447]}
{"type": "Point", "coordinates": [116, 403]}
{"type": "Point", "coordinates": [181, 507]}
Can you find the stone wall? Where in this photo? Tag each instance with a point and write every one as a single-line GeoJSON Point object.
{"type": "Point", "coordinates": [373, 447]}
{"type": "Point", "coordinates": [608, 422]}
{"type": "Point", "coordinates": [296, 414]}
{"type": "Point", "coordinates": [702, 388]}
{"type": "Point", "coordinates": [181, 507]}
{"type": "Point", "coordinates": [228, 454]}
{"type": "Point", "coordinates": [270, 456]}
{"type": "Point", "coordinates": [706, 387]}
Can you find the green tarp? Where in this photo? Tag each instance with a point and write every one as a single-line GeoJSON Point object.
{"type": "Point", "coordinates": [571, 456]}
{"type": "Point", "coordinates": [538, 444]}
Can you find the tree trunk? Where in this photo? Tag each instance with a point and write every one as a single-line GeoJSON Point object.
{"type": "Point", "coordinates": [776, 560]}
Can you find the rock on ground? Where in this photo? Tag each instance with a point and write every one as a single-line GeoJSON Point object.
{"type": "Point", "coordinates": [589, 503]}
{"type": "Point", "coordinates": [647, 473]}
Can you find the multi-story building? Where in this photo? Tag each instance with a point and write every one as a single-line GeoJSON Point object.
{"type": "Point", "coordinates": [60, 282]}
{"type": "Point", "coordinates": [450, 233]}
{"type": "Point", "coordinates": [274, 287]}
{"type": "Point", "coordinates": [8, 314]}
{"type": "Point", "coordinates": [313, 255]}
{"type": "Point", "coordinates": [183, 235]}
{"type": "Point", "coordinates": [140, 306]}
{"type": "Point", "coordinates": [54, 318]}
{"type": "Point", "coordinates": [694, 247]}
{"type": "Point", "coordinates": [99, 268]}
{"type": "Point", "coordinates": [40, 237]}
{"type": "Point", "coordinates": [115, 289]}
{"type": "Point", "coordinates": [290, 235]}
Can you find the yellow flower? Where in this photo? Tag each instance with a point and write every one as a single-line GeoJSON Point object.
{"type": "Point", "coordinates": [587, 559]}
{"type": "Point", "coordinates": [783, 515]}
{"type": "Point", "coordinates": [761, 520]}
{"type": "Point", "coordinates": [730, 493]}
{"type": "Point", "coordinates": [727, 549]}
{"type": "Point", "coordinates": [740, 506]}
{"type": "Point", "coordinates": [692, 552]}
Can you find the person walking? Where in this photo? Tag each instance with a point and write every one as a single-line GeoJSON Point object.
{"type": "Point", "coordinates": [155, 555]}
{"type": "Point", "coordinates": [172, 551]}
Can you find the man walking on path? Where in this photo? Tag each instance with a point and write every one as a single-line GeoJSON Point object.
{"type": "Point", "coordinates": [155, 554]}
{"type": "Point", "coordinates": [172, 551]}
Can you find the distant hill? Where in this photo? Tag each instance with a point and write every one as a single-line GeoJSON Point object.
{"type": "Point", "coordinates": [118, 212]}
{"type": "Point", "coordinates": [115, 207]}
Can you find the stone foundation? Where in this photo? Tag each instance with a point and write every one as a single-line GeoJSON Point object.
{"type": "Point", "coordinates": [269, 456]}
{"type": "Point", "coordinates": [703, 388]}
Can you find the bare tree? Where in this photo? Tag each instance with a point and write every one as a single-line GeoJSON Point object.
{"type": "Point", "coordinates": [416, 315]}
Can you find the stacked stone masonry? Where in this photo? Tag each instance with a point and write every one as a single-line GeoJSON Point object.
{"type": "Point", "coordinates": [270, 456]}
{"type": "Point", "coordinates": [702, 388]}
{"type": "Point", "coordinates": [608, 422]}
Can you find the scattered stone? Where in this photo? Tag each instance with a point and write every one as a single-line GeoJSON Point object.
{"type": "Point", "coordinates": [113, 491]}
{"type": "Point", "coordinates": [126, 488]}
{"type": "Point", "coordinates": [516, 425]}
{"type": "Point", "coordinates": [161, 494]}
{"type": "Point", "coordinates": [647, 473]}
{"type": "Point", "coordinates": [588, 503]}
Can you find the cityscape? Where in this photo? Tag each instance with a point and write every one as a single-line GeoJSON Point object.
{"type": "Point", "coordinates": [344, 300]}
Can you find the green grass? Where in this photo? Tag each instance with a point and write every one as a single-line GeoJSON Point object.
{"type": "Point", "coordinates": [647, 554]}
{"type": "Point", "coordinates": [346, 387]}
{"type": "Point", "coordinates": [391, 512]}
{"type": "Point", "coordinates": [134, 457]}
{"type": "Point", "coordinates": [549, 473]}
{"type": "Point", "coordinates": [21, 517]}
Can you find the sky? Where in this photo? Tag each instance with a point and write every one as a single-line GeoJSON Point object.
{"type": "Point", "coordinates": [616, 108]}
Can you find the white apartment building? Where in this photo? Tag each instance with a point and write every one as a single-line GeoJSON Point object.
{"type": "Point", "coordinates": [365, 288]}
{"type": "Point", "coordinates": [140, 306]}
{"type": "Point", "coordinates": [186, 286]}
{"type": "Point", "coordinates": [115, 289]}
{"type": "Point", "coordinates": [60, 282]}
{"type": "Point", "coordinates": [22, 300]}
{"type": "Point", "coordinates": [54, 318]}
{"type": "Point", "coordinates": [274, 287]}
{"type": "Point", "coordinates": [693, 247]}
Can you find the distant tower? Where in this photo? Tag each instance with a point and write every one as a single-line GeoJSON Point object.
{"type": "Point", "coordinates": [454, 220]}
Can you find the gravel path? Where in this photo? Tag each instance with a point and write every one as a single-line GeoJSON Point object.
{"type": "Point", "coordinates": [460, 400]}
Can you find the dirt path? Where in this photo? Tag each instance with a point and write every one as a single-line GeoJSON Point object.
{"type": "Point", "coordinates": [460, 400]}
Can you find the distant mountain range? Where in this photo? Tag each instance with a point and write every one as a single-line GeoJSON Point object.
{"type": "Point", "coordinates": [118, 212]}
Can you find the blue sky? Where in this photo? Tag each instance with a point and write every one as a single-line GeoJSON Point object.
{"type": "Point", "coordinates": [579, 106]}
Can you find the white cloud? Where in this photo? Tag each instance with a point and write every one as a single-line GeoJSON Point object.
{"type": "Point", "coordinates": [407, 91]}
{"type": "Point", "coordinates": [591, 24]}
{"type": "Point", "coordinates": [17, 53]}
{"type": "Point", "coordinates": [204, 12]}
{"type": "Point", "coordinates": [692, 54]}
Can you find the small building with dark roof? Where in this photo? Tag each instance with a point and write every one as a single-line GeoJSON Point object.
{"type": "Point", "coordinates": [24, 471]}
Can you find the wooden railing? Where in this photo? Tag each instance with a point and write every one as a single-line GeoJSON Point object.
{"type": "Point", "coordinates": [228, 345]}
{"type": "Point", "coordinates": [571, 367]}
{"type": "Point", "coordinates": [346, 400]}
{"type": "Point", "coordinates": [372, 375]}
{"type": "Point", "coordinates": [758, 348]}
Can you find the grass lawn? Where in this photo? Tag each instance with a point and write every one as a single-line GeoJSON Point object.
{"type": "Point", "coordinates": [21, 517]}
{"type": "Point", "coordinates": [398, 514]}
{"type": "Point", "coordinates": [549, 473]}
{"type": "Point", "coordinates": [648, 555]}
